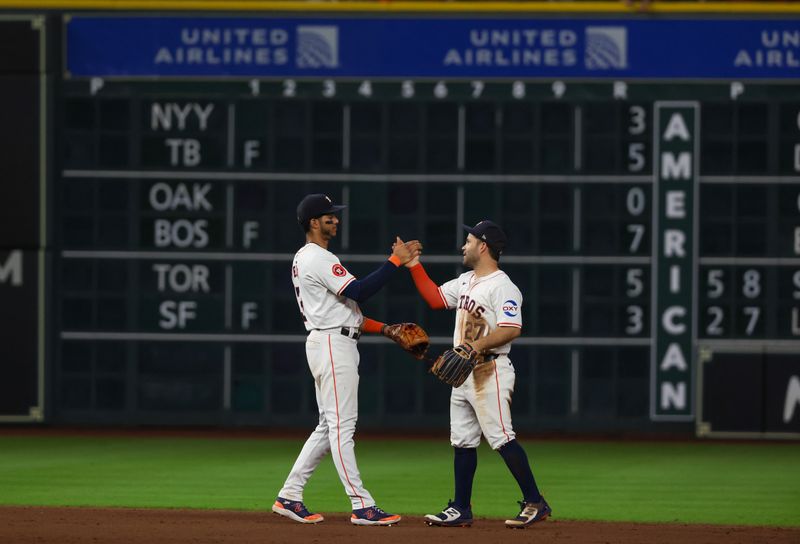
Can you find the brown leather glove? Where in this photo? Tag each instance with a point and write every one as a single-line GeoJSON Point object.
{"type": "Point", "coordinates": [409, 336]}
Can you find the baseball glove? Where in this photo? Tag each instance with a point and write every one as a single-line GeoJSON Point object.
{"type": "Point", "coordinates": [410, 336]}
{"type": "Point", "coordinates": [454, 366]}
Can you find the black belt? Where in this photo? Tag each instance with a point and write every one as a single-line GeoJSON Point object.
{"type": "Point", "coordinates": [351, 332]}
{"type": "Point", "coordinates": [490, 356]}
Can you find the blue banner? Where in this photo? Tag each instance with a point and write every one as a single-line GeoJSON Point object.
{"type": "Point", "coordinates": [405, 47]}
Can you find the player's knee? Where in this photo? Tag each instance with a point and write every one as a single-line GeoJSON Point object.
{"type": "Point", "coordinates": [498, 442]}
{"type": "Point", "coordinates": [465, 443]}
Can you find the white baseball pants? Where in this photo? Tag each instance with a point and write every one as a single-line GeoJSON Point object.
{"type": "Point", "coordinates": [483, 405]}
{"type": "Point", "coordinates": [333, 360]}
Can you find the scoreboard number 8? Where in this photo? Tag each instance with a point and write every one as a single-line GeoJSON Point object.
{"type": "Point", "coordinates": [751, 286]}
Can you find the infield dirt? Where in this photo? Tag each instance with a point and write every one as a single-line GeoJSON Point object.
{"type": "Point", "coordinates": [29, 525]}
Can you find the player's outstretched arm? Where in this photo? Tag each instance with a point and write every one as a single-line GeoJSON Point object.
{"type": "Point", "coordinates": [402, 252]}
{"type": "Point", "coordinates": [425, 285]}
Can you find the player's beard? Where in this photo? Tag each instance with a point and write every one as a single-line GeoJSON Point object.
{"type": "Point", "coordinates": [470, 260]}
{"type": "Point", "coordinates": [328, 231]}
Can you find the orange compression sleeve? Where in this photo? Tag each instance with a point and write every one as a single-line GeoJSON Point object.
{"type": "Point", "coordinates": [371, 326]}
{"type": "Point", "coordinates": [429, 290]}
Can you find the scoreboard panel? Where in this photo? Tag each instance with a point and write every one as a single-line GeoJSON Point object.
{"type": "Point", "coordinates": [24, 251]}
{"type": "Point", "coordinates": [648, 220]}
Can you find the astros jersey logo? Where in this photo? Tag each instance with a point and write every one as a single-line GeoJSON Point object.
{"type": "Point", "coordinates": [510, 308]}
{"type": "Point", "coordinates": [338, 270]}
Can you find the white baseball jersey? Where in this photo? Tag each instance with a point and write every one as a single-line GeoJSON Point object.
{"type": "Point", "coordinates": [319, 279]}
{"type": "Point", "coordinates": [483, 304]}
{"type": "Point", "coordinates": [482, 404]}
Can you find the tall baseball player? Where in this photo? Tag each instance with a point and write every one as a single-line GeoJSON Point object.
{"type": "Point", "coordinates": [488, 317]}
{"type": "Point", "coordinates": [328, 297]}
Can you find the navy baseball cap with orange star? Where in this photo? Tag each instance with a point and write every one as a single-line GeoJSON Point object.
{"type": "Point", "coordinates": [489, 232]}
{"type": "Point", "coordinates": [314, 206]}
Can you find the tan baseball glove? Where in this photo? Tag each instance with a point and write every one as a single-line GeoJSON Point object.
{"type": "Point", "coordinates": [454, 366]}
{"type": "Point", "coordinates": [409, 336]}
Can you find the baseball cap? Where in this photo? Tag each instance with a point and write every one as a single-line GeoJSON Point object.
{"type": "Point", "coordinates": [315, 205]}
{"type": "Point", "coordinates": [489, 232]}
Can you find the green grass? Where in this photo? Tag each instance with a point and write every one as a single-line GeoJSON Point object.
{"type": "Point", "coordinates": [697, 482]}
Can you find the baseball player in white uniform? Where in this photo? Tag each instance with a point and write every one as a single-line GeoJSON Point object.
{"type": "Point", "coordinates": [488, 317]}
{"type": "Point", "coordinates": [328, 296]}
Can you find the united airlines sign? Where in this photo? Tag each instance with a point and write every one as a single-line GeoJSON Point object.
{"type": "Point", "coordinates": [432, 47]}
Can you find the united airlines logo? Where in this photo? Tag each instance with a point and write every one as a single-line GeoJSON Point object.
{"type": "Point", "coordinates": [317, 47]}
{"type": "Point", "coordinates": [606, 48]}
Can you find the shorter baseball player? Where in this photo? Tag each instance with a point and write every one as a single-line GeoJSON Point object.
{"type": "Point", "coordinates": [488, 317]}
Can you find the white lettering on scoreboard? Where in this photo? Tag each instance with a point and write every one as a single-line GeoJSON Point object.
{"type": "Point", "coordinates": [164, 197]}
{"type": "Point", "coordinates": [169, 115]}
{"type": "Point", "coordinates": [11, 269]}
{"type": "Point", "coordinates": [188, 117]}
{"type": "Point", "coordinates": [180, 233]}
{"type": "Point", "coordinates": [675, 173]}
{"type": "Point", "coordinates": [180, 278]}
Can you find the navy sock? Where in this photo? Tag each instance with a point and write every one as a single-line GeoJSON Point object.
{"type": "Point", "coordinates": [517, 462]}
{"type": "Point", "coordinates": [465, 462]}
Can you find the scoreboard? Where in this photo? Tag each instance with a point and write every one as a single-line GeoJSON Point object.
{"type": "Point", "coordinates": [651, 199]}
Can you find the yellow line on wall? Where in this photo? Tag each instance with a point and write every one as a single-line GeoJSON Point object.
{"type": "Point", "coordinates": [406, 6]}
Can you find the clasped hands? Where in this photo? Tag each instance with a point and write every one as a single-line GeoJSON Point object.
{"type": "Point", "coordinates": [407, 252]}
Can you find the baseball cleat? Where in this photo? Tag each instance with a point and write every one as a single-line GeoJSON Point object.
{"type": "Point", "coordinates": [295, 510]}
{"type": "Point", "coordinates": [452, 516]}
{"type": "Point", "coordinates": [373, 516]}
{"type": "Point", "coordinates": [531, 513]}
